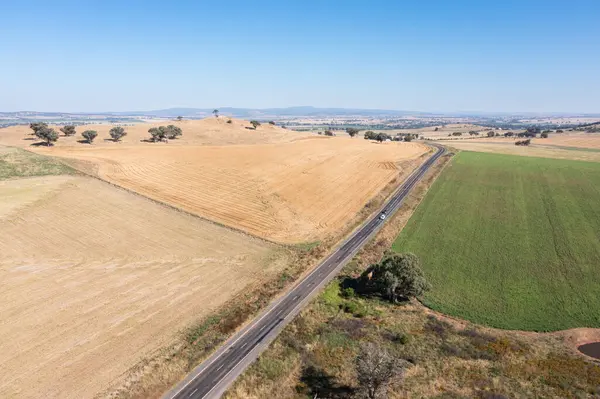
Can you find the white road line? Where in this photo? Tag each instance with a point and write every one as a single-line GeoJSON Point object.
{"type": "Point", "coordinates": [220, 367]}
{"type": "Point", "coordinates": [192, 394]}
{"type": "Point", "coordinates": [245, 343]}
{"type": "Point", "coordinates": [262, 328]}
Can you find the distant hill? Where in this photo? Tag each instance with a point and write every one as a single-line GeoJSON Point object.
{"type": "Point", "coordinates": [271, 112]}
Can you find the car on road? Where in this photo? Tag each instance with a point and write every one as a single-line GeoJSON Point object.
{"type": "Point", "coordinates": [382, 216]}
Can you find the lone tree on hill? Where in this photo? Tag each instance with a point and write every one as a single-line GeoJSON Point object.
{"type": "Point", "coordinates": [375, 368]}
{"type": "Point", "coordinates": [47, 134]}
{"type": "Point", "coordinates": [255, 124]}
{"type": "Point", "coordinates": [408, 138]}
{"type": "Point", "coordinates": [328, 133]}
{"type": "Point", "coordinates": [117, 133]}
{"type": "Point", "coordinates": [396, 276]}
{"type": "Point", "coordinates": [272, 123]}
{"type": "Point", "coordinates": [352, 131]}
{"type": "Point", "coordinates": [216, 113]}
{"type": "Point", "coordinates": [89, 135]}
{"type": "Point", "coordinates": [68, 130]}
{"type": "Point", "coordinates": [179, 118]}
{"type": "Point", "coordinates": [37, 126]}
{"type": "Point", "coordinates": [491, 133]}
{"type": "Point", "coordinates": [544, 135]}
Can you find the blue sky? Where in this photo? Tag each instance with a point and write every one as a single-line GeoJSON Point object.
{"type": "Point", "coordinates": [540, 56]}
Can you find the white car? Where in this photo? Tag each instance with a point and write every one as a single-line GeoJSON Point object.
{"type": "Point", "coordinates": [382, 216]}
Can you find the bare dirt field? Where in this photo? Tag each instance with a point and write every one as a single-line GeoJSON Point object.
{"type": "Point", "coordinates": [94, 278]}
{"type": "Point", "coordinates": [287, 192]}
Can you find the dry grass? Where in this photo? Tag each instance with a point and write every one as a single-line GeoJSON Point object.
{"type": "Point", "coordinates": [92, 284]}
{"type": "Point", "coordinates": [289, 192]}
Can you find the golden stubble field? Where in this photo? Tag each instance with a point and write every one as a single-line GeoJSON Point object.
{"type": "Point", "coordinates": [285, 186]}
{"type": "Point", "coordinates": [578, 146]}
{"type": "Point", "coordinates": [93, 278]}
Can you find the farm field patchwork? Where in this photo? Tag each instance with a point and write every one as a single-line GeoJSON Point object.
{"type": "Point", "coordinates": [537, 149]}
{"type": "Point", "coordinates": [511, 242]}
{"type": "Point", "coordinates": [94, 278]}
{"type": "Point", "coordinates": [293, 192]}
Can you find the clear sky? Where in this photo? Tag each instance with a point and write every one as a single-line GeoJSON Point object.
{"type": "Point", "coordinates": [405, 55]}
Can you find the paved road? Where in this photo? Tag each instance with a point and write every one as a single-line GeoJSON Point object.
{"type": "Point", "coordinates": [214, 375]}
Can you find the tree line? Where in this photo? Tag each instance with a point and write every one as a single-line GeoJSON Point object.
{"type": "Point", "coordinates": [47, 134]}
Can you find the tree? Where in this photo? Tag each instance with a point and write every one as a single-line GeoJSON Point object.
{"type": "Point", "coordinates": [272, 123]}
{"type": "Point", "coordinates": [375, 368]}
{"type": "Point", "coordinates": [216, 113]}
{"type": "Point", "coordinates": [179, 118]}
{"type": "Point", "coordinates": [328, 133]}
{"type": "Point", "coordinates": [509, 134]}
{"type": "Point", "coordinates": [172, 131]}
{"type": "Point", "coordinates": [408, 138]}
{"type": "Point", "coordinates": [37, 126]}
{"type": "Point", "coordinates": [544, 135]}
{"type": "Point", "coordinates": [89, 135]}
{"type": "Point", "coordinates": [381, 137]}
{"type": "Point", "coordinates": [370, 135]}
{"type": "Point", "coordinates": [47, 134]}
{"type": "Point", "coordinates": [560, 131]}
{"type": "Point", "coordinates": [352, 131]}
{"type": "Point", "coordinates": [473, 133]}
{"type": "Point", "coordinates": [68, 130]}
{"type": "Point", "coordinates": [457, 133]}
{"type": "Point", "coordinates": [117, 133]}
{"type": "Point", "coordinates": [436, 129]}
{"type": "Point", "coordinates": [158, 133]}
{"type": "Point", "coordinates": [491, 133]}
{"type": "Point", "coordinates": [396, 276]}
{"type": "Point", "coordinates": [229, 121]}
{"type": "Point", "coordinates": [255, 124]}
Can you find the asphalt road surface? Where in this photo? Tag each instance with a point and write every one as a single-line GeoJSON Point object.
{"type": "Point", "coordinates": [211, 378]}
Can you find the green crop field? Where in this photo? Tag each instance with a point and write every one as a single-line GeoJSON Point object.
{"type": "Point", "coordinates": [511, 242]}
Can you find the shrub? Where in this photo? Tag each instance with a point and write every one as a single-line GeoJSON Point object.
{"type": "Point", "coordinates": [272, 123]}
{"type": "Point", "coordinates": [229, 121]}
{"type": "Point", "coordinates": [255, 124]}
{"type": "Point", "coordinates": [348, 292]}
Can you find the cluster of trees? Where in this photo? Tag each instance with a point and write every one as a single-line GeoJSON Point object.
{"type": "Point", "coordinates": [370, 135]}
{"type": "Point", "coordinates": [50, 136]}
{"type": "Point", "coordinates": [473, 133]}
{"type": "Point", "coordinates": [163, 133]}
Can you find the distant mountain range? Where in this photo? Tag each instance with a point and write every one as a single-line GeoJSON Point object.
{"type": "Point", "coordinates": [271, 112]}
{"type": "Point", "coordinates": [289, 112]}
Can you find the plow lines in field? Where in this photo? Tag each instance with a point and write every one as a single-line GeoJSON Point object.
{"type": "Point", "coordinates": [289, 192]}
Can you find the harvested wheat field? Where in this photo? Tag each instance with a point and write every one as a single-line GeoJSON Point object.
{"type": "Point", "coordinates": [94, 278]}
{"type": "Point", "coordinates": [287, 192]}
{"type": "Point", "coordinates": [209, 131]}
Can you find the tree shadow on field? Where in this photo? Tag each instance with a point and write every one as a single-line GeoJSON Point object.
{"type": "Point", "coordinates": [41, 144]}
{"type": "Point", "coordinates": [29, 138]}
{"type": "Point", "coordinates": [315, 381]}
{"type": "Point", "coordinates": [83, 142]}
